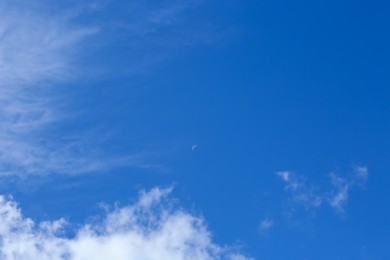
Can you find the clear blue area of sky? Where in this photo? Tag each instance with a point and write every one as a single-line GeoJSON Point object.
{"type": "Point", "coordinates": [258, 87]}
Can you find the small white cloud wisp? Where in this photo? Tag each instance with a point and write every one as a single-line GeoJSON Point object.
{"type": "Point", "coordinates": [302, 193]}
{"type": "Point", "coordinates": [266, 224]}
{"type": "Point", "coordinates": [151, 228]}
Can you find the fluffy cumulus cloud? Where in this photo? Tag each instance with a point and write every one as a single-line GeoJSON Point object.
{"type": "Point", "coordinates": [336, 195]}
{"type": "Point", "coordinates": [151, 228]}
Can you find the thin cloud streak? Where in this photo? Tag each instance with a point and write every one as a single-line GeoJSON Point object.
{"type": "Point", "coordinates": [35, 46]}
{"type": "Point", "coordinates": [36, 52]}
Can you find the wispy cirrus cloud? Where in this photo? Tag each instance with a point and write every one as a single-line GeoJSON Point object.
{"type": "Point", "coordinates": [151, 228]}
{"type": "Point", "coordinates": [40, 52]}
{"type": "Point", "coordinates": [36, 45]}
{"type": "Point", "coordinates": [303, 194]}
{"type": "Point", "coordinates": [153, 32]}
{"type": "Point", "coordinates": [37, 51]}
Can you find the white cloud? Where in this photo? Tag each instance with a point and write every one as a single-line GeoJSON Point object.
{"type": "Point", "coordinates": [40, 48]}
{"type": "Point", "coordinates": [339, 195]}
{"type": "Point", "coordinates": [149, 229]}
{"type": "Point", "coordinates": [361, 172]}
{"type": "Point", "coordinates": [36, 51]}
{"type": "Point", "coordinates": [266, 224]}
{"type": "Point", "coordinates": [284, 175]}
{"type": "Point", "coordinates": [35, 45]}
{"type": "Point", "coordinates": [301, 193]}
{"type": "Point", "coordinates": [39, 52]}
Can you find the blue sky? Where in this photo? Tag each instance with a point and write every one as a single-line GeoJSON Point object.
{"type": "Point", "coordinates": [194, 129]}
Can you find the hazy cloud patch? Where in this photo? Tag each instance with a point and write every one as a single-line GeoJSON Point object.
{"type": "Point", "coordinates": [266, 224]}
{"type": "Point", "coordinates": [304, 194]}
